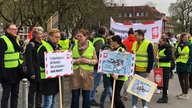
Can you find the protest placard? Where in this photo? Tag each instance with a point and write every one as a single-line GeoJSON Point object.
{"type": "Point", "coordinates": [114, 62]}
{"type": "Point", "coordinates": [142, 87]}
{"type": "Point", "coordinates": [58, 64]}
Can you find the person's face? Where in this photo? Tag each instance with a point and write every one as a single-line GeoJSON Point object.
{"type": "Point", "coordinates": [12, 30]}
{"type": "Point", "coordinates": [39, 35]}
{"type": "Point", "coordinates": [163, 35]}
{"type": "Point", "coordinates": [137, 36]}
{"type": "Point", "coordinates": [55, 37]}
{"type": "Point", "coordinates": [161, 42]}
{"type": "Point", "coordinates": [185, 38]}
{"type": "Point", "coordinates": [81, 38]}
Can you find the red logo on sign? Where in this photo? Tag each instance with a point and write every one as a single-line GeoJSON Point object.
{"type": "Point", "coordinates": [158, 76]}
{"type": "Point", "coordinates": [155, 32]}
{"type": "Point", "coordinates": [105, 55]}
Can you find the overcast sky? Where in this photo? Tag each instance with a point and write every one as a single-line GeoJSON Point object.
{"type": "Point", "coordinates": [161, 5]}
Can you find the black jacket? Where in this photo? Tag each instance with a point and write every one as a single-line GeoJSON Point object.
{"type": "Point", "coordinates": [49, 86]}
{"type": "Point", "coordinates": [9, 75]}
{"type": "Point", "coordinates": [32, 60]}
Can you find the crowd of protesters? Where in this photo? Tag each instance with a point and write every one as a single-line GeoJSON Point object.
{"type": "Point", "coordinates": [85, 79]}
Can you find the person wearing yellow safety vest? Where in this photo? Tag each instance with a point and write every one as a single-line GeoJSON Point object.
{"type": "Point", "coordinates": [144, 60]}
{"type": "Point", "coordinates": [98, 42]}
{"type": "Point", "coordinates": [10, 74]}
{"type": "Point", "coordinates": [117, 45]}
{"type": "Point", "coordinates": [84, 59]}
{"type": "Point", "coordinates": [64, 42]}
{"type": "Point", "coordinates": [33, 68]}
{"type": "Point", "coordinates": [164, 61]}
{"type": "Point", "coordinates": [50, 87]}
{"type": "Point", "coordinates": [183, 64]}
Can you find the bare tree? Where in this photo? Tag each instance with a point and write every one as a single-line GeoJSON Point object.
{"type": "Point", "coordinates": [181, 13]}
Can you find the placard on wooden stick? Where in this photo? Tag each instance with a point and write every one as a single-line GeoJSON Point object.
{"type": "Point", "coordinates": [142, 87]}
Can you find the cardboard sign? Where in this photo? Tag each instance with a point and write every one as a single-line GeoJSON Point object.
{"type": "Point", "coordinates": [158, 76]}
{"type": "Point", "coordinates": [114, 62]}
{"type": "Point", "coordinates": [142, 87]}
{"type": "Point", "coordinates": [58, 64]}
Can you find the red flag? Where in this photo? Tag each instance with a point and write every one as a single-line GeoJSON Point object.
{"type": "Point", "coordinates": [158, 76]}
{"type": "Point", "coordinates": [30, 34]}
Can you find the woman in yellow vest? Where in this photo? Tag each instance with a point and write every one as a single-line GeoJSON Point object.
{"type": "Point", "coordinates": [116, 43]}
{"type": "Point", "coordinates": [84, 59]}
{"type": "Point", "coordinates": [164, 61]}
{"type": "Point", "coordinates": [183, 64]}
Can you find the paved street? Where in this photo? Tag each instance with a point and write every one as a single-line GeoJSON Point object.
{"type": "Point", "coordinates": [174, 89]}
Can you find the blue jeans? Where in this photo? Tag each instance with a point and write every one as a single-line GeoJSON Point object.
{"type": "Point", "coordinates": [135, 98]}
{"type": "Point", "coordinates": [107, 89]}
{"type": "Point", "coordinates": [97, 79]}
{"type": "Point", "coordinates": [49, 101]}
{"type": "Point", "coordinates": [75, 98]}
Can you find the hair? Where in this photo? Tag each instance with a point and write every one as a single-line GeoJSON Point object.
{"type": "Point", "coordinates": [108, 39]}
{"type": "Point", "coordinates": [36, 30]}
{"type": "Point", "coordinates": [63, 35]}
{"type": "Point", "coordinates": [182, 36]}
{"type": "Point", "coordinates": [111, 32]}
{"type": "Point", "coordinates": [130, 31]}
{"type": "Point", "coordinates": [84, 32]}
{"type": "Point", "coordinates": [52, 31]}
{"type": "Point", "coordinates": [102, 30]}
{"type": "Point", "coordinates": [140, 32]}
{"type": "Point", "coordinates": [118, 39]}
{"type": "Point", "coordinates": [7, 25]}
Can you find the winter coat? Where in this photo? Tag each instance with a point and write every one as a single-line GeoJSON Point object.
{"type": "Point", "coordinates": [184, 67]}
{"type": "Point", "coordinates": [32, 60]}
{"type": "Point", "coordinates": [49, 86]}
{"type": "Point", "coordinates": [129, 42]}
{"type": "Point", "coordinates": [9, 75]}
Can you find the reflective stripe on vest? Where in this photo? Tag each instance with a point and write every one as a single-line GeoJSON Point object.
{"type": "Point", "coordinates": [87, 54]}
{"type": "Point", "coordinates": [183, 58]}
{"type": "Point", "coordinates": [123, 78]}
{"type": "Point", "coordinates": [11, 58]}
{"type": "Point", "coordinates": [141, 53]}
{"type": "Point", "coordinates": [98, 38]}
{"type": "Point", "coordinates": [163, 64]}
{"type": "Point", "coordinates": [64, 44]}
{"type": "Point", "coordinates": [49, 48]}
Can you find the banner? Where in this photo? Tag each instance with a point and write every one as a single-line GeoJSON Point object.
{"type": "Point", "coordinates": [114, 62]}
{"type": "Point", "coordinates": [58, 64]}
{"type": "Point", "coordinates": [152, 29]}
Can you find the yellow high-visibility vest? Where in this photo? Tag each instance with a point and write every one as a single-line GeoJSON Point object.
{"type": "Point", "coordinates": [141, 54]}
{"type": "Point", "coordinates": [49, 48]}
{"type": "Point", "coordinates": [163, 64]}
{"type": "Point", "coordinates": [183, 58]}
{"type": "Point", "coordinates": [87, 54]}
{"type": "Point", "coordinates": [11, 57]}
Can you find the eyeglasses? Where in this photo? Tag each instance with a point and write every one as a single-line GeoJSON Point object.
{"type": "Point", "coordinates": [13, 28]}
{"type": "Point", "coordinates": [79, 36]}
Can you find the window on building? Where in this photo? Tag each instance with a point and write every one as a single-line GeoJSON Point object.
{"type": "Point", "coordinates": [120, 15]}
{"type": "Point", "coordinates": [146, 14]}
{"type": "Point", "coordinates": [137, 14]}
{"type": "Point", "coordinates": [130, 14]}
{"type": "Point", "coordinates": [142, 13]}
{"type": "Point", "coordinates": [125, 15]}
